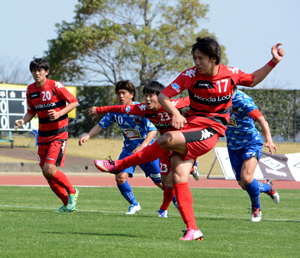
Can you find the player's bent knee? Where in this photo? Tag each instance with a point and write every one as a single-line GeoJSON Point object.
{"type": "Point", "coordinates": [49, 171]}
{"type": "Point", "coordinates": [165, 140]}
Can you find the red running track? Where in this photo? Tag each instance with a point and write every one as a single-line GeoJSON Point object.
{"type": "Point", "coordinates": [138, 181]}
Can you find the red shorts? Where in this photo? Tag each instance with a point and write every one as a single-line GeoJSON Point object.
{"type": "Point", "coordinates": [199, 140]}
{"type": "Point", "coordinates": [52, 153]}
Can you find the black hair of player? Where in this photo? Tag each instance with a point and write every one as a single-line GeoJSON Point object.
{"type": "Point", "coordinates": [126, 85]}
{"type": "Point", "coordinates": [153, 87]}
{"type": "Point", "coordinates": [208, 46]}
{"type": "Point", "coordinates": [39, 63]}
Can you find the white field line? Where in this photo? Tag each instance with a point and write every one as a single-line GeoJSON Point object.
{"type": "Point", "coordinates": [146, 213]}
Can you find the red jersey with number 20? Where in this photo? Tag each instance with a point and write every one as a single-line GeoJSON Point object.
{"type": "Point", "coordinates": [53, 95]}
{"type": "Point", "coordinates": [210, 96]}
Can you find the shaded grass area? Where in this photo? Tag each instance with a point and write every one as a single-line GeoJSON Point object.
{"type": "Point", "coordinates": [30, 227]}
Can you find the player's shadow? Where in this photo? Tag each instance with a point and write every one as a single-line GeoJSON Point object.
{"type": "Point", "coordinates": [88, 234]}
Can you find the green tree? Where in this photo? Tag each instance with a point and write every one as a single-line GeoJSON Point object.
{"type": "Point", "coordinates": [280, 108]}
{"type": "Point", "coordinates": [111, 40]}
{"type": "Point", "coordinates": [88, 97]}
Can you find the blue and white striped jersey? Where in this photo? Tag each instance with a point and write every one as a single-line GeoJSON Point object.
{"type": "Point", "coordinates": [134, 128]}
{"type": "Point", "coordinates": [241, 129]}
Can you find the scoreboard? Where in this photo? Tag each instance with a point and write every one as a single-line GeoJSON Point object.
{"type": "Point", "coordinates": [13, 106]}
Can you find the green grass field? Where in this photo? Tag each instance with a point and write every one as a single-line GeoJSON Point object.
{"type": "Point", "coordinates": [30, 227]}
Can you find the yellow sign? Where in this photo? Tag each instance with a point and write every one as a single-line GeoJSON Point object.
{"type": "Point", "coordinates": [71, 89]}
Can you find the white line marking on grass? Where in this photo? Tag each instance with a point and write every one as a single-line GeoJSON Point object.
{"type": "Point", "coordinates": [146, 213]}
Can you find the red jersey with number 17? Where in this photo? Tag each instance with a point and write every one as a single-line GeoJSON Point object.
{"type": "Point", "coordinates": [53, 95]}
{"type": "Point", "coordinates": [160, 118]}
{"type": "Point", "coordinates": [210, 96]}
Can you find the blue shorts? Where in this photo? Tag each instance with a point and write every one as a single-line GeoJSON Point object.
{"type": "Point", "coordinates": [237, 157]}
{"type": "Point", "coordinates": [150, 169]}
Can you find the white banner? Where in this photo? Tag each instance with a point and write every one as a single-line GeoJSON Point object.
{"type": "Point", "coordinates": [280, 167]}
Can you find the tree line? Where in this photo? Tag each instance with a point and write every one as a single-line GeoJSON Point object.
{"type": "Point", "coordinates": [281, 109]}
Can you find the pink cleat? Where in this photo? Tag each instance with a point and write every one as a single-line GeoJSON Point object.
{"type": "Point", "coordinates": [106, 166]}
{"type": "Point", "coordinates": [192, 234]}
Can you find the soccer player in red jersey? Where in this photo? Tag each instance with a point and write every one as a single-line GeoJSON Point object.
{"type": "Point", "coordinates": [48, 99]}
{"type": "Point", "coordinates": [210, 86]}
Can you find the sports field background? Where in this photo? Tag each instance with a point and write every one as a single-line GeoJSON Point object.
{"type": "Point", "coordinates": [30, 227]}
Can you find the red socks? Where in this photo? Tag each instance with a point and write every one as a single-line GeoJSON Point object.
{"type": "Point", "coordinates": [168, 196]}
{"type": "Point", "coordinates": [61, 179]}
{"type": "Point", "coordinates": [185, 204]}
{"type": "Point", "coordinates": [148, 154]}
{"type": "Point", "coordinates": [59, 191]}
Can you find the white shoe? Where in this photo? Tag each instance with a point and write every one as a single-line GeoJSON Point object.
{"type": "Point", "coordinates": [133, 209]}
{"type": "Point", "coordinates": [196, 174]}
{"type": "Point", "coordinates": [273, 194]}
{"type": "Point", "coordinates": [162, 213]}
{"type": "Point", "coordinates": [256, 215]}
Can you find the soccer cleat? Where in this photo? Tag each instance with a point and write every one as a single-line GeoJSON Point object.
{"type": "Point", "coordinates": [133, 209]}
{"type": "Point", "coordinates": [192, 234]}
{"type": "Point", "coordinates": [107, 165]}
{"type": "Point", "coordinates": [64, 209]}
{"type": "Point", "coordinates": [162, 213]}
{"type": "Point", "coordinates": [72, 201]}
{"type": "Point", "coordinates": [256, 214]}
{"type": "Point", "coordinates": [196, 173]}
{"type": "Point", "coordinates": [273, 194]}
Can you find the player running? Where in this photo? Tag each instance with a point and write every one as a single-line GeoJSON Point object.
{"type": "Point", "coordinates": [48, 99]}
{"type": "Point", "coordinates": [244, 148]}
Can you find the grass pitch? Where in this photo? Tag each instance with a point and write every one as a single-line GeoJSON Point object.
{"type": "Point", "coordinates": [30, 227]}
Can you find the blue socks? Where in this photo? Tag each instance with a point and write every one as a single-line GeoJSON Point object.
{"type": "Point", "coordinates": [264, 188]}
{"type": "Point", "coordinates": [254, 191]}
{"type": "Point", "coordinates": [127, 193]}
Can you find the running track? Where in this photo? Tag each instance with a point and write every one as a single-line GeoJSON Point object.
{"type": "Point", "coordinates": [102, 180]}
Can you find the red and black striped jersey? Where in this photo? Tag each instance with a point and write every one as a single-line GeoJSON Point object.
{"type": "Point", "coordinates": [160, 118]}
{"type": "Point", "coordinates": [53, 95]}
{"type": "Point", "coordinates": [210, 96]}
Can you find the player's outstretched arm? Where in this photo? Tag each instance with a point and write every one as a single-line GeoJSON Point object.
{"type": "Point", "coordinates": [95, 111]}
{"type": "Point", "coordinates": [261, 74]}
{"type": "Point", "coordinates": [266, 130]}
{"type": "Point", "coordinates": [94, 131]}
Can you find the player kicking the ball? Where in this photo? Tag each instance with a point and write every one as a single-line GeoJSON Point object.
{"type": "Point", "coordinates": [210, 85]}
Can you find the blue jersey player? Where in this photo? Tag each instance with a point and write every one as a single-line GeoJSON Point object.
{"type": "Point", "coordinates": [244, 147]}
{"type": "Point", "coordinates": [138, 132]}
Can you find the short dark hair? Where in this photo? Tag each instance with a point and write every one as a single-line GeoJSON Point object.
{"type": "Point", "coordinates": [39, 63]}
{"type": "Point", "coordinates": [153, 87]}
{"type": "Point", "coordinates": [208, 46]}
{"type": "Point", "coordinates": [126, 85]}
